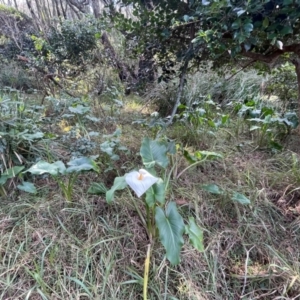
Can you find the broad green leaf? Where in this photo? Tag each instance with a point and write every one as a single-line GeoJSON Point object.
{"type": "Point", "coordinates": [27, 187]}
{"type": "Point", "coordinates": [119, 184]}
{"type": "Point", "coordinates": [189, 157]}
{"type": "Point", "coordinates": [107, 147]}
{"type": "Point", "coordinates": [171, 228]}
{"type": "Point", "coordinates": [292, 119]}
{"type": "Point", "coordinates": [248, 27]}
{"type": "Point", "coordinates": [171, 147]}
{"type": "Point", "coordinates": [79, 109]}
{"type": "Point", "coordinates": [195, 234]}
{"type": "Point", "coordinates": [212, 188]}
{"type": "Point", "coordinates": [31, 137]}
{"type": "Point", "coordinates": [12, 172]}
{"type": "Point", "coordinates": [156, 193]}
{"type": "Point", "coordinates": [211, 123]}
{"type": "Point", "coordinates": [208, 154]}
{"type": "Point", "coordinates": [266, 22]}
{"type": "Point", "coordinates": [153, 152]}
{"type": "Point", "coordinates": [224, 119]}
{"type": "Point", "coordinates": [254, 127]}
{"type": "Point", "coordinates": [240, 12]}
{"type": "Point", "coordinates": [240, 198]}
{"type": "Point", "coordinates": [82, 164]}
{"type": "Point", "coordinates": [247, 46]}
{"type": "Point", "coordinates": [43, 167]}
{"type": "Point", "coordinates": [286, 30]}
{"type": "Point", "coordinates": [3, 179]}
{"type": "Point", "coordinates": [235, 25]}
{"type": "Point", "coordinates": [97, 188]}
{"type": "Point", "coordinates": [186, 18]}
{"type": "Point", "coordinates": [60, 167]}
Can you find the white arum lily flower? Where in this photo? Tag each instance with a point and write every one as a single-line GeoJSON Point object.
{"type": "Point", "coordinates": [140, 181]}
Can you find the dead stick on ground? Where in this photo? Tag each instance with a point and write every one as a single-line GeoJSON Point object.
{"type": "Point", "coordinates": [246, 270]}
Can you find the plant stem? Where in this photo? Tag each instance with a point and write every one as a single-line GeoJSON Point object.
{"type": "Point", "coordinates": [149, 225]}
{"type": "Point", "coordinates": [190, 166]}
{"type": "Point", "coordinates": [138, 211]}
{"type": "Point", "coordinates": [146, 273]}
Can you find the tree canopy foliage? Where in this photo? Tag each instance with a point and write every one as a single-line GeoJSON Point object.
{"type": "Point", "coordinates": [193, 32]}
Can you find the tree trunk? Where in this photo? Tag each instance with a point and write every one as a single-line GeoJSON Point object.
{"type": "Point", "coordinates": [57, 10]}
{"type": "Point", "coordinates": [296, 63]}
{"type": "Point", "coordinates": [179, 91]}
{"type": "Point", "coordinates": [125, 73]}
{"type": "Point", "coordinates": [96, 8]}
{"type": "Point", "coordinates": [33, 15]}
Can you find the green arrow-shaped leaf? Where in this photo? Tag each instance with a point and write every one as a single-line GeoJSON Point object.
{"type": "Point", "coordinates": [10, 173]}
{"type": "Point", "coordinates": [156, 193]}
{"type": "Point", "coordinates": [43, 167]}
{"type": "Point", "coordinates": [119, 184]}
{"type": "Point", "coordinates": [79, 109]}
{"type": "Point", "coordinates": [97, 188]}
{"type": "Point", "coordinates": [82, 164]}
{"type": "Point", "coordinates": [154, 152]}
{"type": "Point", "coordinates": [195, 234]}
{"type": "Point", "coordinates": [240, 198]}
{"type": "Point", "coordinates": [27, 187]}
{"type": "Point", "coordinates": [212, 188]}
{"type": "Point", "coordinates": [60, 167]}
{"type": "Point", "coordinates": [171, 228]}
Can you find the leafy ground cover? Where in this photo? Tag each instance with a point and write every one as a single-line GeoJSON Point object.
{"type": "Point", "coordinates": [246, 202]}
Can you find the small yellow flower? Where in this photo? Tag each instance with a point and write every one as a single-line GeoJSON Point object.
{"type": "Point", "coordinates": [140, 181]}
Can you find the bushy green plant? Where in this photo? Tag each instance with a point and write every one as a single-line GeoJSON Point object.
{"type": "Point", "coordinates": [283, 84]}
{"type": "Point", "coordinates": [65, 176]}
{"type": "Point", "coordinates": [268, 126]}
{"type": "Point", "coordinates": [14, 76]}
{"type": "Point", "coordinates": [161, 215]}
{"type": "Point", "coordinates": [112, 147]}
{"type": "Point", "coordinates": [72, 40]}
{"type": "Point", "coordinates": [19, 132]}
{"type": "Point", "coordinates": [201, 115]}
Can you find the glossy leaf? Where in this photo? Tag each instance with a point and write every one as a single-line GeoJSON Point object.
{"type": "Point", "coordinates": [61, 167]}
{"type": "Point", "coordinates": [43, 167]}
{"type": "Point", "coordinates": [10, 173]}
{"type": "Point", "coordinates": [153, 152]}
{"type": "Point", "coordinates": [79, 109]}
{"type": "Point", "coordinates": [82, 164]}
{"type": "Point", "coordinates": [119, 184]}
{"type": "Point", "coordinates": [171, 228]}
{"type": "Point", "coordinates": [195, 234]}
{"type": "Point", "coordinates": [248, 27]}
{"type": "Point", "coordinates": [156, 192]}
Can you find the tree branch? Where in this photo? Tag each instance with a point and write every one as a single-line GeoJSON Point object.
{"type": "Point", "coordinates": [272, 57]}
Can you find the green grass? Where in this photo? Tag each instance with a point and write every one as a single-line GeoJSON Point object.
{"type": "Point", "coordinates": [87, 249]}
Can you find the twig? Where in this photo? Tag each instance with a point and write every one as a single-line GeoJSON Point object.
{"type": "Point", "coordinates": [243, 68]}
{"type": "Point", "coordinates": [246, 271]}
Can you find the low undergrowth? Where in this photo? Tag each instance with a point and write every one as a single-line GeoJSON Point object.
{"type": "Point", "coordinates": [88, 249]}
